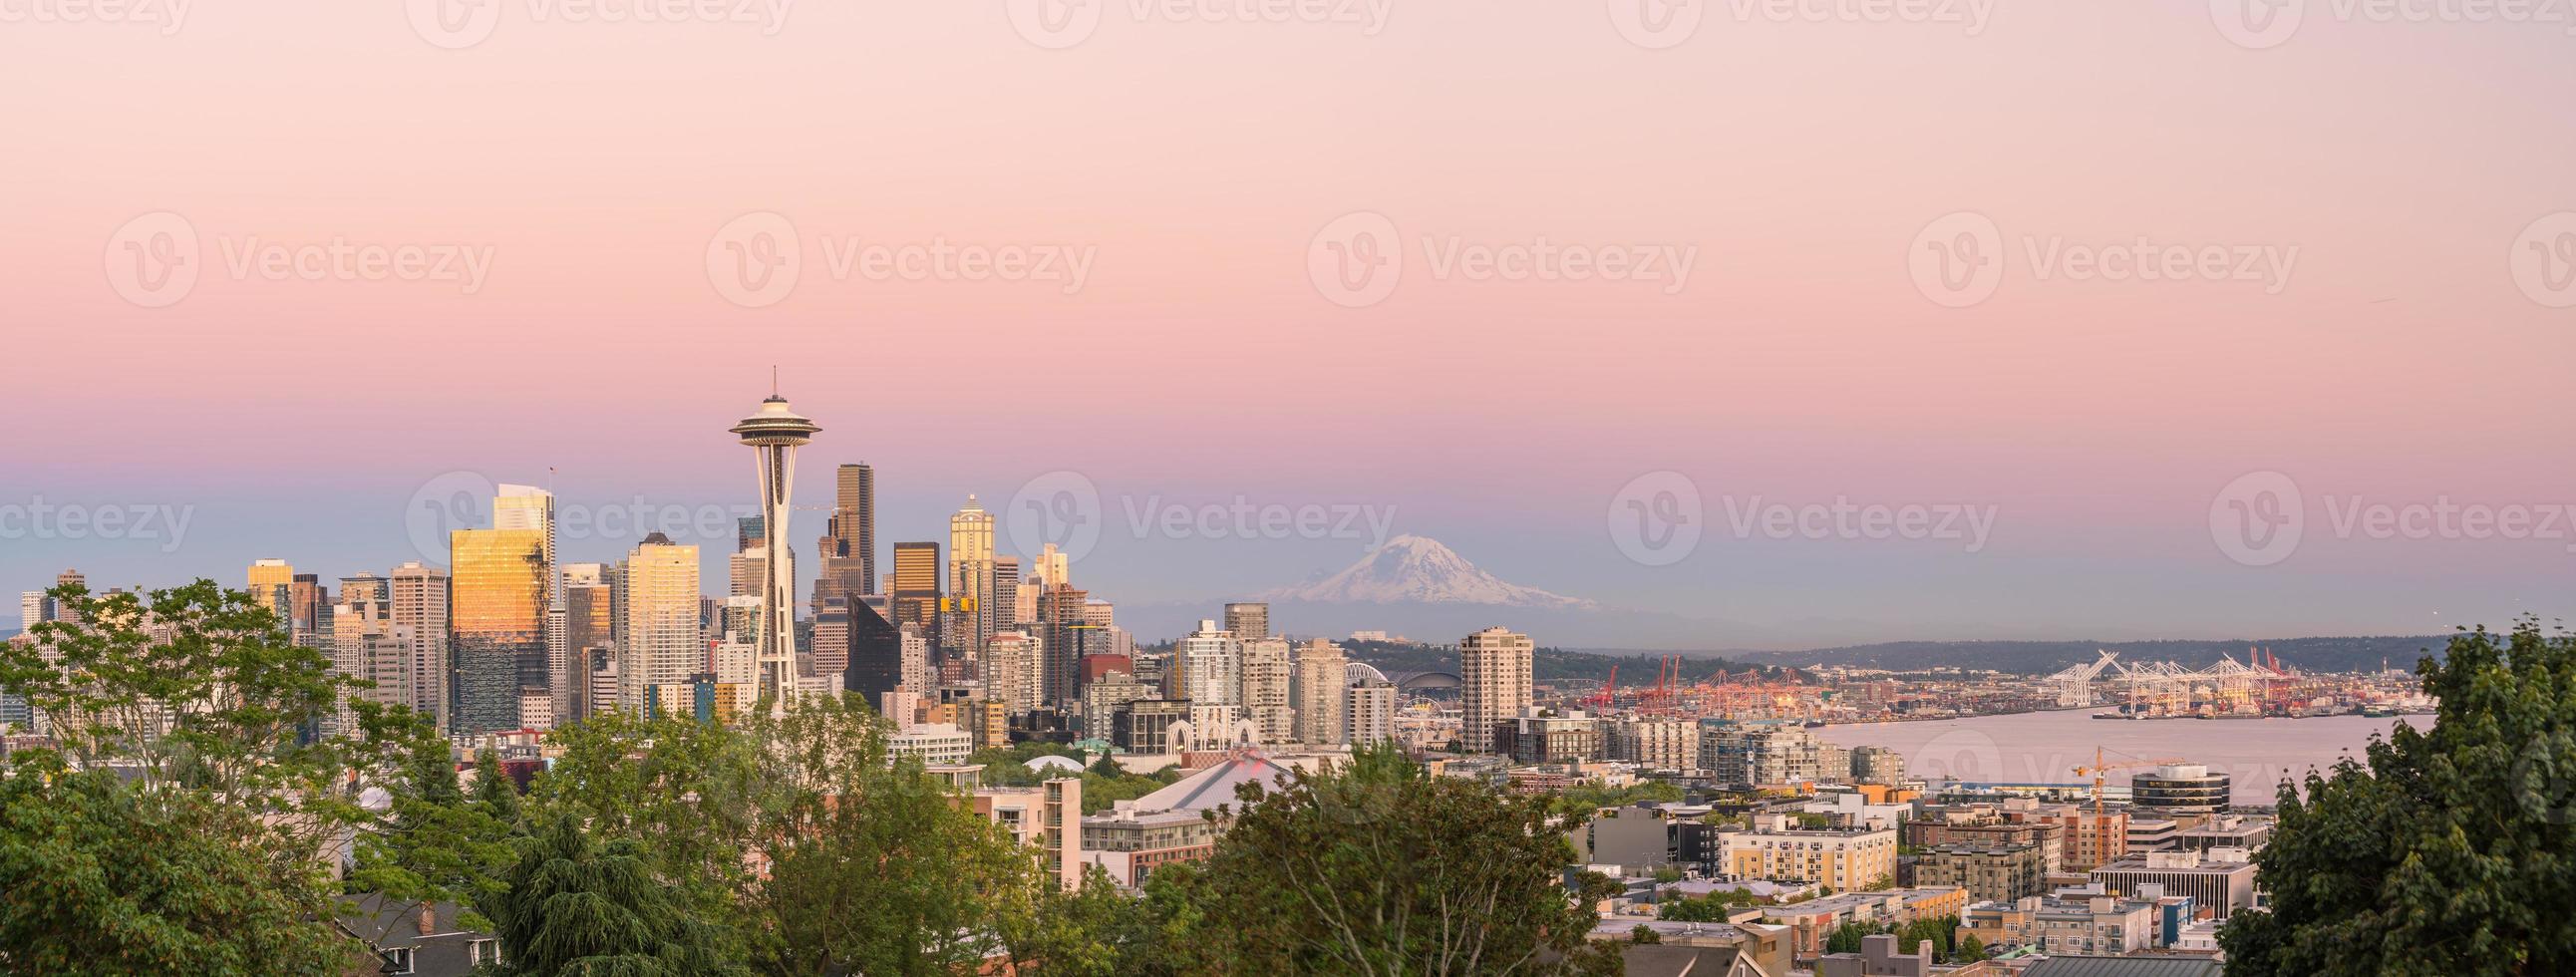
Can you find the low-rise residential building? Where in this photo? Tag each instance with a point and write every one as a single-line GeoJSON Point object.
{"type": "Point", "coordinates": [1654, 744]}
{"type": "Point", "coordinates": [1811, 922]}
{"type": "Point", "coordinates": [2100, 925]}
{"type": "Point", "coordinates": [1843, 858]}
{"type": "Point", "coordinates": [1542, 735]}
{"type": "Point", "coordinates": [937, 744]}
{"type": "Point", "coordinates": [1999, 872]}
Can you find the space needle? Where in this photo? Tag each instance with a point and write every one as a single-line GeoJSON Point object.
{"type": "Point", "coordinates": [774, 434]}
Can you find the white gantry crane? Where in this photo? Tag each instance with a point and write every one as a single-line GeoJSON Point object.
{"type": "Point", "coordinates": [2074, 684]}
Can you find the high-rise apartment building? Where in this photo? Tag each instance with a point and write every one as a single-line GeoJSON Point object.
{"type": "Point", "coordinates": [1207, 667]}
{"type": "Point", "coordinates": [56, 610]}
{"type": "Point", "coordinates": [658, 602]}
{"type": "Point", "coordinates": [420, 601]}
{"type": "Point", "coordinates": [364, 587]}
{"type": "Point", "coordinates": [1318, 691]}
{"type": "Point", "coordinates": [1006, 594]}
{"type": "Point", "coordinates": [497, 613]}
{"type": "Point", "coordinates": [1014, 670]}
{"type": "Point", "coordinates": [970, 573]}
{"type": "Point", "coordinates": [1065, 632]}
{"type": "Point", "coordinates": [34, 608]}
{"type": "Point", "coordinates": [1494, 683]}
{"type": "Point", "coordinates": [1055, 568]}
{"type": "Point", "coordinates": [1249, 622]}
{"type": "Point", "coordinates": [366, 645]}
{"type": "Point", "coordinates": [1268, 675]}
{"type": "Point", "coordinates": [1368, 713]}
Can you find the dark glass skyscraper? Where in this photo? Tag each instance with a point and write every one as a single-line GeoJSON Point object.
{"type": "Point", "coordinates": [876, 651]}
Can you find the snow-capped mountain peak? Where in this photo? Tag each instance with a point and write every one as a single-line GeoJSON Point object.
{"type": "Point", "coordinates": [1418, 570]}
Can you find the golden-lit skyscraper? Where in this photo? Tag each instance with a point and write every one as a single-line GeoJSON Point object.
{"type": "Point", "coordinates": [530, 507]}
{"type": "Point", "coordinates": [916, 585]}
{"type": "Point", "coordinates": [848, 549]}
{"type": "Point", "coordinates": [659, 600]}
{"type": "Point", "coordinates": [970, 575]}
{"type": "Point", "coordinates": [498, 590]}
{"type": "Point", "coordinates": [265, 579]}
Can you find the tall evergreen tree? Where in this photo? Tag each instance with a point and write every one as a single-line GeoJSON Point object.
{"type": "Point", "coordinates": [574, 907]}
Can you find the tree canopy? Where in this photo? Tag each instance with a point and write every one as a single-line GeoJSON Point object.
{"type": "Point", "coordinates": [2447, 851]}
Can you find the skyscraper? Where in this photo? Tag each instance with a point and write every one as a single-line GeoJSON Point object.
{"type": "Point", "coordinates": [848, 550]}
{"type": "Point", "coordinates": [1207, 667]}
{"type": "Point", "coordinates": [34, 608]}
{"type": "Point", "coordinates": [970, 554]}
{"type": "Point", "coordinates": [1006, 594]}
{"type": "Point", "coordinates": [1321, 680]}
{"type": "Point", "coordinates": [590, 634]}
{"type": "Point", "coordinates": [497, 611]}
{"type": "Point", "coordinates": [56, 610]}
{"type": "Point", "coordinates": [658, 598]}
{"type": "Point", "coordinates": [268, 579]}
{"type": "Point", "coordinates": [1494, 683]}
{"type": "Point", "coordinates": [364, 587]}
{"type": "Point", "coordinates": [1267, 675]}
{"type": "Point", "coordinates": [774, 434]}
{"type": "Point", "coordinates": [1054, 569]}
{"type": "Point", "coordinates": [529, 507]}
{"type": "Point", "coordinates": [1248, 621]}
{"type": "Point", "coordinates": [420, 599]}
{"type": "Point", "coordinates": [916, 585]}
{"type": "Point", "coordinates": [1060, 615]}
{"type": "Point", "coordinates": [876, 650]}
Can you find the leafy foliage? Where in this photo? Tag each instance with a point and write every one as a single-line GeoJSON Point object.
{"type": "Point", "coordinates": [575, 907]}
{"type": "Point", "coordinates": [2454, 850]}
{"type": "Point", "coordinates": [1378, 868]}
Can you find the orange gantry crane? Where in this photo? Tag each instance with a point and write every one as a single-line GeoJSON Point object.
{"type": "Point", "coordinates": [2099, 767]}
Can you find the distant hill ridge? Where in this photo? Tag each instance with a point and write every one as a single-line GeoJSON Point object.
{"type": "Point", "coordinates": [2352, 654]}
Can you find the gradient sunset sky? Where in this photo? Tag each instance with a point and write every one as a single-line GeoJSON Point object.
{"type": "Point", "coordinates": [2406, 357]}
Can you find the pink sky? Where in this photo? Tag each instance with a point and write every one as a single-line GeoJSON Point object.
{"type": "Point", "coordinates": [1196, 161]}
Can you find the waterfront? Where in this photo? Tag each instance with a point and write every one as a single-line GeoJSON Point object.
{"type": "Point", "coordinates": [2045, 747]}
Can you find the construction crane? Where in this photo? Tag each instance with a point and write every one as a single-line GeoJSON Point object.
{"type": "Point", "coordinates": [1609, 689]}
{"type": "Point", "coordinates": [2099, 767]}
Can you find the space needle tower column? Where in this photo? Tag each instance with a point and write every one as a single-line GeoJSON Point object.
{"type": "Point", "coordinates": [773, 435]}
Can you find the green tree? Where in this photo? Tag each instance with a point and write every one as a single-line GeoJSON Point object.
{"type": "Point", "coordinates": [495, 794]}
{"type": "Point", "coordinates": [1093, 930]}
{"type": "Point", "coordinates": [1644, 934]}
{"type": "Point", "coordinates": [1971, 949]}
{"type": "Point", "coordinates": [1846, 937]}
{"type": "Point", "coordinates": [875, 867]}
{"type": "Point", "coordinates": [228, 807]}
{"type": "Point", "coordinates": [433, 845]}
{"type": "Point", "coordinates": [2453, 850]}
{"type": "Point", "coordinates": [97, 879]}
{"type": "Point", "coordinates": [1710, 908]}
{"type": "Point", "coordinates": [683, 791]}
{"type": "Point", "coordinates": [574, 907]}
{"type": "Point", "coordinates": [1378, 868]}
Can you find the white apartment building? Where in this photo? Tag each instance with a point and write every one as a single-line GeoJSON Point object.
{"type": "Point", "coordinates": [1494, 672]}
